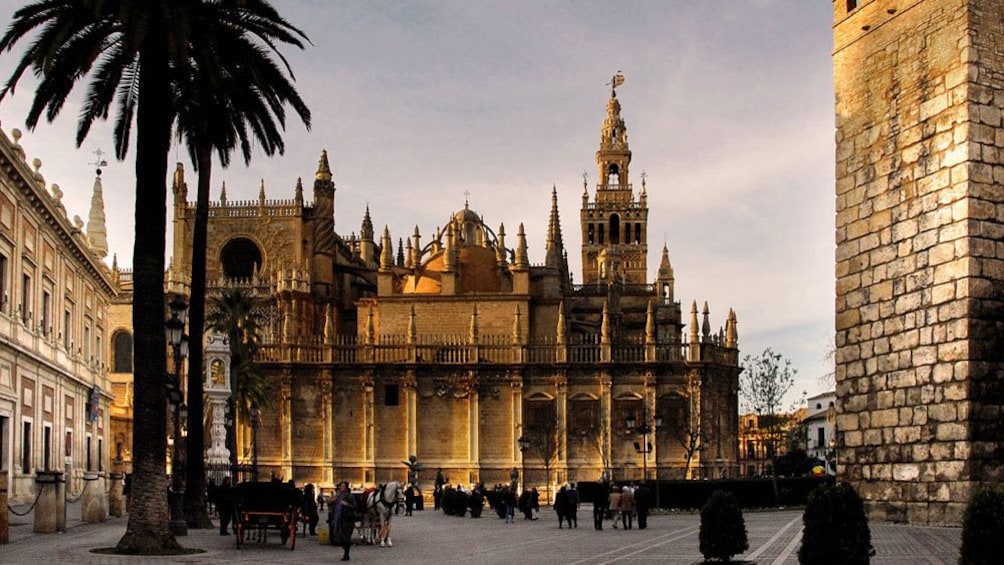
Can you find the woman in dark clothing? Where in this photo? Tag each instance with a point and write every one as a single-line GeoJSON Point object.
{"type": "Point", "coordinates": [561, 506]}
{"type": "Point", "coordinates": [342, 518]}
{"type": "Point", "coordinates": [310, 508]}
{"type": "Point", "coordinates": [225, 505]}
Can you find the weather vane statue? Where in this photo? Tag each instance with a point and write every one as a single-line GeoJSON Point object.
{"type": "Point", "coordinates": [617, 80]}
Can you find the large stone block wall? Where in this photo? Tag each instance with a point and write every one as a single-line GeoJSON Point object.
{"type": "Point", "coordinates": [920, 252]}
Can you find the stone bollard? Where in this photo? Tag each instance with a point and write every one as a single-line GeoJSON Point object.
{"type": "Point", "coordinates": [115, 494]}
{"type": "Point", "coordinates": [4, 519]}
{"type": "Point", "coordinates": [92, 509]}
{"type": "Point", "coordinates": [50, 505]}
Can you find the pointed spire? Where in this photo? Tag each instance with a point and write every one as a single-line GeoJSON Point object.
{"type": "Point", "coordinates": [665, 267]}
{"type": "Point", "coordinates": [553, 252]}
{"type": "Point", "coordinates": [693, 323]}
{"type": "Point", "coordinates": [400, 252]}
{"type": "Point", "coordinates": [500, 250]}
{"type": "Point", "coordinates": [261, 193]}
{"type": "Point", "coordinates": [448, 254]}
{"type": "Point", "coordinates": [517, 327]}
{"type": "Point", "coordinates": [409, 256]}
{"type": "Point", "coordinates": [650, 324]}
{"type": "Point", "coordinates": [223, 194]}
{"type": "Point", "coordinates": [521, 260]}
{"type": "Point", "coordinates": [705, 323]}
{"type": "Point", "coordinates": [97, 235]}
{"type": "Point", "coordinates": [323, 168]}
{"type": "Point", "coordinates": [366, 231]}
{"type": "Point", "coordinates": [298, 196]}
{"type": "Point", "coordinates": [731, 331]}
{"type": "Point", "coordinates": [474, 326]}
{"type": "Point", "coordinates": [412, 329]}
{"type": "Point", "coordinates": [386, 253]}
{"type": "Point", "coordinates": [605, 324]}
{"type": "Point", "coordinates": [561, 331]}
{"type": "Point", "coordinates": [416, 245]}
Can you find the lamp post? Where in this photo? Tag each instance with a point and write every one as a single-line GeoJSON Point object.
{"type": "Point", "coordinates": [255, 415]}
{"type": "Point", "coordinates": [178, 341]}
{"type": "Point", "coordinates": [524, 444]}
{"type": "Point", "coordinates": [645, 447]}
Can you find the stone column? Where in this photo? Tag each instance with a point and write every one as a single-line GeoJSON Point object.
{"type": "Point", "coordinates": [50, 505]}
{"type": "Point", "coordinates": [115, 505]}
{"type": "Point", "coordinates": [4, 520]}
{"type": "Point", "coordinates": [93, 499]}
{"type": "Point", "coordinates": [474, 437]}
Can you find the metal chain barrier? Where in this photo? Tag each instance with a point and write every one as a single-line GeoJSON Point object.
{"type": "Point", "coordinates": [30, 508]}
{"type": "Point", "coordinates": [82, 491]}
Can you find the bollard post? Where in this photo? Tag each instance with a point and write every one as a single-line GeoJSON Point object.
{"type": "Point", "coordinates": [47, 511]}
{"type": "Point", "coordinates": [92, 499]}
{"type": "Point", "coordinates": [115, 495]}
{"type": "Point", "coordinates": [4, 519]}
{"type": "Point", "coordinates": [61, 492]}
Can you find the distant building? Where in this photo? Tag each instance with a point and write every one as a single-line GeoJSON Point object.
{"type": "Point", "coordinates": [452, 346]}
{"type": "Point", "coordinates": [820, 429]}
{"type": "Point", "coordinates": [764, 437]}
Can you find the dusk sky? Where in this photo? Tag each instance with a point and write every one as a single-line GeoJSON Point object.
{"type": "Point", "coordinates": [728, 105]}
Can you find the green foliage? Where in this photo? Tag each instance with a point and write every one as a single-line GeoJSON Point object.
{"type": "Point", "coordinates": [835, 527]}
{"type": "Point", "coordinates": [723, 529]}
{"type": "Point", "coordinates": [983, 527]}
{"type": "Point", "coordinates": [795, 463]}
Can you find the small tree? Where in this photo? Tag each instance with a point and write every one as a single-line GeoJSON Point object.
{"type": "Point", "coordinates": [836, 528]}
{"type": "Point", "coordinates": [982, 522]}
{"type": "Point", "coordinates": [764, 382]}
{"type": "Point", "coordinates": [544, 443]}
{"type": "Point", "coordinates": [723, 529]}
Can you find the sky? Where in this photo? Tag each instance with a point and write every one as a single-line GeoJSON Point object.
{"type": "Point", "coordinates": [421, 105]}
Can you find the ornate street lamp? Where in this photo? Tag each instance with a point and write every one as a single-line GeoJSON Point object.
{"type": "Point", "coordinates": [255, 415]}
{"type": "Point", "coordinates": [645, 446]}
{"type": "Point", "coordinates": [524, 444]}
{"type": "Point", "coordinates": [176, 338]}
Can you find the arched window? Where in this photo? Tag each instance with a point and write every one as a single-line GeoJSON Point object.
{"type": "Point", "coordinates": [122, 344]}
{"type": "Point", "coordinates": [615, 229]}
{"type": "Point", "coordinates": [613, 175]}
{"type": "Point", "coordinates": [240, 257]}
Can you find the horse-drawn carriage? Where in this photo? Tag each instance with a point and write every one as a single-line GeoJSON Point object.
{"type": "Point", "coordinates": [260, 506]}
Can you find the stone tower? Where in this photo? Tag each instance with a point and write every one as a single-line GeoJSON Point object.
{"type": "Point", "coordinates": [615, 224]}
{"type": "Point", "coordinates": [919, 260]}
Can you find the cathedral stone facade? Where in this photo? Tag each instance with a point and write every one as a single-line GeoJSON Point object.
{"type": "Point", "coordinates": [919, 261]}
{"type": "Point", "coordinates": [452, 346]}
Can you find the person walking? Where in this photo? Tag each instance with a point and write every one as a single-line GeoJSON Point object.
{"type": "Point", "coordinates": [573, 506]}
{"type": "Point", "coordinates": [225, 505]}
{"type": "Point", "coordinates": [342, 518]}
{"type": "Point", "coordinates": [509, 500]}
{"type": "Point", "coordinates": [310, 509]}
{"type": "Point", "coordinates": [627, 507]}
{"type": "Point", "coordinates": [615, 504]}
{"type": "Point", "coordinates": [409, 499]}
{"type": "Point", "coordinates": [642, 504]}
{"type": "Point", "coordinates": [600, 506]}
{"type": "Point", "coordinates": [561, 507]}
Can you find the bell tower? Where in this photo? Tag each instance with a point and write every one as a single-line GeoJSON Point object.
{"type": "Point", "coordinates": [614, 224]}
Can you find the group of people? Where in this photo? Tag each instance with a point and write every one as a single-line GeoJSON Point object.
{"type": "Point", "coordinates": [622, 505]}
{"type": "Point", "coordinates": [566, 506]}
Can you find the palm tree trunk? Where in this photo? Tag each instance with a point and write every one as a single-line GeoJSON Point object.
{"type": "Point", "coordinates": [196, 514]}
{"type": "Point", "coordinates": [148, 530]}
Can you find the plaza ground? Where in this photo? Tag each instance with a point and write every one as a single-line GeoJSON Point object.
{"type": "Point", "coordinates": [432, 537]}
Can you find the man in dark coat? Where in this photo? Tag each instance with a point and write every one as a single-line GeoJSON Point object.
{"type": "Point", "coordinates": [341, 519]}
{"type": "Point", "coordinates": [600, 505]}
{"type": "Point", "coordinates": [642, 504]}
{"type": "Point", "coordinates": [225, 505]}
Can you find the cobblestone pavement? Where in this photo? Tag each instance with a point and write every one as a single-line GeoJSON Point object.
{"type": "Point", "coordinates": [432, 537]}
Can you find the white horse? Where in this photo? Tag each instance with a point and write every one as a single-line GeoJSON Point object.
{"type": "Point", "coordinates": [382, 502]}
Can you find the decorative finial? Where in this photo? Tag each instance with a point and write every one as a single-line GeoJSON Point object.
{"type": "Point", "coordinates": [617, 80]}
{"type": "Point", "coordinates": [323, 169]}
{"type": "Point", "coordinates": [467, 200]}
{"type": "Point", "coordinates": [99, 161]}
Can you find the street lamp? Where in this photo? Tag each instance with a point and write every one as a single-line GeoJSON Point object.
{"type": "Point", "coordinates": [255, 415]}
{"type": "Point", "coordinates": [645, 447]}
{"type": "Point", "coordinates": [524, 444]}
{"type": "Point", "coordinates": [176, 338]}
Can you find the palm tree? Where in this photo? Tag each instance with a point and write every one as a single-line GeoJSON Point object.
{"type": "Point", "coordinates": [132, 51]}
{"type": "Point", "coordinates": [240, 87]}
{"type": "Point", "coordinates": [232, 314]}
{"type": "Point", "coordinates": [128, 48]}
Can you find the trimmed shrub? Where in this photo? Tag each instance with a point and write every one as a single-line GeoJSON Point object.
{"type": "Point", "coordinates": [723, 530]}
{"type": "Point", "coordinates": [835, 527]}
{"type": "Point", "coordinates": [983, 527]}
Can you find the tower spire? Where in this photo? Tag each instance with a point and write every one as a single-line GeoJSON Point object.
{"type": "Point", "coordinates": [323, 168]}
{"type": "Point", "coordinates": [97, 235]}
